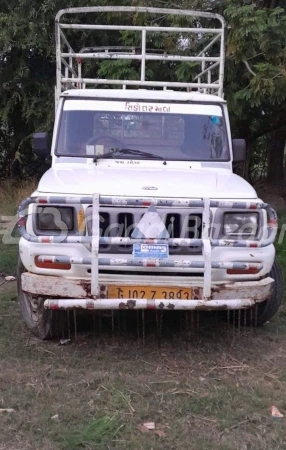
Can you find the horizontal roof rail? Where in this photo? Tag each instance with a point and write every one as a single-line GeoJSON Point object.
{"type": "Point", "coordinates": [209, 55]}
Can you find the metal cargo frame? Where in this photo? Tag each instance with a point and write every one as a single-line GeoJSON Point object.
{"type": "Point", "coordinates": [95, 261]}
{"type": "Point", "coordinates": [209, 78]}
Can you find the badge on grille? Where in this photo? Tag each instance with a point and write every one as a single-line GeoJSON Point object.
{"type": "Point", "coordinates": [150, 226]}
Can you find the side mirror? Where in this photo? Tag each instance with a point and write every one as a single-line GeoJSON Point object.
{"type": "Point", "coordinates": [41, 145]}
{"type": "Point", "coordinates": [239, 150]}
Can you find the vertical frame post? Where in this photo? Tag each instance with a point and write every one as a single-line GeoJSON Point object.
{"type": "Point", "coordinates": [95, 246]}
{"type": "Point", "coordinates": [209, 77]}
{"type": "Point", "coordinates": [221, 65]}
{"type": "Point", "coordinates": [79, 71]}
{"type": "Point", "coordinates": [203, 69]}
{"type": "Point", "coordinates": [207, 249]}
{"type": "Point", "coordinates": [58, 63]}
{"type": "Point", "coordinates": [143, 60]}
{"type": "Point", "coordinates": [71, 65]}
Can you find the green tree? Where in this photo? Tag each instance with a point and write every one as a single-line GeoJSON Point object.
{"type": "Point", "coordinates": [256, 78]}
{"type": "Point", "coordinates": [27, 76]}
{"type": "Point", "coordinates": [255, 81]}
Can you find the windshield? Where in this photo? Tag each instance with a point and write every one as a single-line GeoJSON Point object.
{"type": "Point", "coordinates": [131, 130]}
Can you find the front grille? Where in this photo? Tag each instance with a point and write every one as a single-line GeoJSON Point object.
{"type": "Point", "coordinates": [125, 224]}
{"type": "Point", "coordinates": [195, 226]}
{"type": "Point", "coordinates": [180, 224]}
{"type": "Point", "coordinates": [173, 225]}
{"type": "Point", "coordinates": [104, 225]}
{"type": "Point", "coordinates": [184, 225]}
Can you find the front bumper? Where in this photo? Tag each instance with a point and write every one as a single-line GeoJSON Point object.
{"type": "Point", "coordinates": [68, 293]}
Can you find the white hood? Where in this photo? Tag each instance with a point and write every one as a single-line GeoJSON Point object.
{"type": "Point", "coordinates": [130, 181]}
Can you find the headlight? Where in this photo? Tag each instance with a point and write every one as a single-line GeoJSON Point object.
{"type": "Point", "coordinates": [51, 218]}
{"type": "Point", "coordinates": [241, 225]}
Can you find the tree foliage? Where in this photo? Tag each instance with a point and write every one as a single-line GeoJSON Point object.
{"type": "Point", "coordinates": [255, 81]}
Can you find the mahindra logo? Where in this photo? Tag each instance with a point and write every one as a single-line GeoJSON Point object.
{"type": "Point", "coordinates": [150, 188]}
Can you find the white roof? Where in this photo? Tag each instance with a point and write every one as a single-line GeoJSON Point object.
{"type": "Point", "coordinates": [142, 94]}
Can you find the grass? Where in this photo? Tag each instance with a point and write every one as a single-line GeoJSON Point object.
{"type": "Point", "coordinates": [97, 393]}
{"type": "Point", "coordinates": [98, 432]}
{"type": "Point", "coordinates": [11, 195]}
{"type": "Point", "coordinates": [8, 259]}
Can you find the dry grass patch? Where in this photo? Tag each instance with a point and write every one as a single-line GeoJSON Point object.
{"type": "Point", "coordinates": [98, 392]}
{"type": "Point", "coordinates": [12, 193]}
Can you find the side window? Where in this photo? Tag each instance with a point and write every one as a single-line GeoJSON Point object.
{"type": "Point", "coordinates": [205, 137]}
{"type": "Point", "coordinates": [217, 138]}
{"type": "Point", "coordinates": [76, 129]}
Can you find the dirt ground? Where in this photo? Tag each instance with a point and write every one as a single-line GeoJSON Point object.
{"type": "Point", "coordinates": [213, 392]}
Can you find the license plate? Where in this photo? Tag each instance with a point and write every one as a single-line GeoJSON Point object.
{"type": "Point", "coordinates": [149, 292]}
{"type": "Point", "coordinates": [154, 251]}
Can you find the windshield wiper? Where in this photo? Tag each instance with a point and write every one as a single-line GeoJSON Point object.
{"type": "Point", "coordinates": [128, 151]}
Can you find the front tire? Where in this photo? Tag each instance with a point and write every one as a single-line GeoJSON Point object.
{"type": "Point", "coordinates": [38, 320]}
{"type": "Point", "coordinates": [266, 310]}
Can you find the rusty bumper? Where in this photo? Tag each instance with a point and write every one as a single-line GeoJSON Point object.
{"type": "Point", "coordinates": [198, 305]}
{"type": "Point", "coordinates": [75, 293]}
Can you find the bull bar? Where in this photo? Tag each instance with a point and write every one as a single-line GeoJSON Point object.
{"type": "Point", "coordinates": [206, 243]}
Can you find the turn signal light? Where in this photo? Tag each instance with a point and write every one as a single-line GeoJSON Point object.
{"type": "Point", "coordinates": [252, 271]}
{"type": "Point", "coordinates": [51, 265]}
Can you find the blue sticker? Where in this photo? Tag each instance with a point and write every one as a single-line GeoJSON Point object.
{"type": "Point", "coordinates": [156, 251]}
{"type": "Point", "coordinates": [215, 120]}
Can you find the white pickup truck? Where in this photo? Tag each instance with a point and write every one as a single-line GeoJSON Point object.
{"type": "Point", "coordinates": [141, 208]}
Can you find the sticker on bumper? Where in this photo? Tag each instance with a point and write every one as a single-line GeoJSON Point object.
{"type": "Point", "coordinates": [154, 251]}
